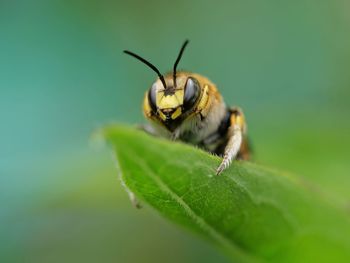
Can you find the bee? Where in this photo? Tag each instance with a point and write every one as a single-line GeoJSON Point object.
{"type": "Point", "coordinates": [188, 107]}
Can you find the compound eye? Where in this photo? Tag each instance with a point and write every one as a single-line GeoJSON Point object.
{"type": "Point", "coordinates": [152, 98]}
{"type": "Point", "coordinates": [192, 91]}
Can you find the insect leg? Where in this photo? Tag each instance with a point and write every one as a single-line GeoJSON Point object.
{"type": "Point", "coordinates": [235, 139]}
{"type": "Point", "coordinates": [147, 128]}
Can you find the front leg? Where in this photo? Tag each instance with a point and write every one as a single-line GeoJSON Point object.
{"type": "Point", "coordinates": [235, 135]}
{"type": "Point", "coordinates": [147, 128]}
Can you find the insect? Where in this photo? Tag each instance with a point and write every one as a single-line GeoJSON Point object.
{"type": "Point", "coordinates": [188, 107]}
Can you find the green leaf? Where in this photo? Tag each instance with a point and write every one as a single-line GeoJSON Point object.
{"type": "Point", "coordinates": [253, 213]}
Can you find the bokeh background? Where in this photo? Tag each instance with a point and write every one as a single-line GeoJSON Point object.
{"type": "Point", "coordinates": [63, 74]}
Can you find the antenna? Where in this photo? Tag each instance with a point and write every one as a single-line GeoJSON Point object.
{"type": "Point", "coordinates": [178, 60]}
{"type": "Point", "coordinates": [148, 64]}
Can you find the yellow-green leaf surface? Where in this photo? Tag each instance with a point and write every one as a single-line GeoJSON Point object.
{"type": "Point", "coordinates": [253, 213]}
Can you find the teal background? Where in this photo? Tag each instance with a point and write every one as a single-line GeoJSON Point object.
{"type": "Point", "coordinates": [63, 74]}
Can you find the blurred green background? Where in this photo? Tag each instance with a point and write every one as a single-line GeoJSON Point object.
{"type": "Point", "coordinates": [62, 75]}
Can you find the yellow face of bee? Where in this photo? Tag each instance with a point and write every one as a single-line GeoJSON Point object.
{"type": "Point", "coordinates": [169, 101]}
{"type": "Point", "coordinates": [171, 106]}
